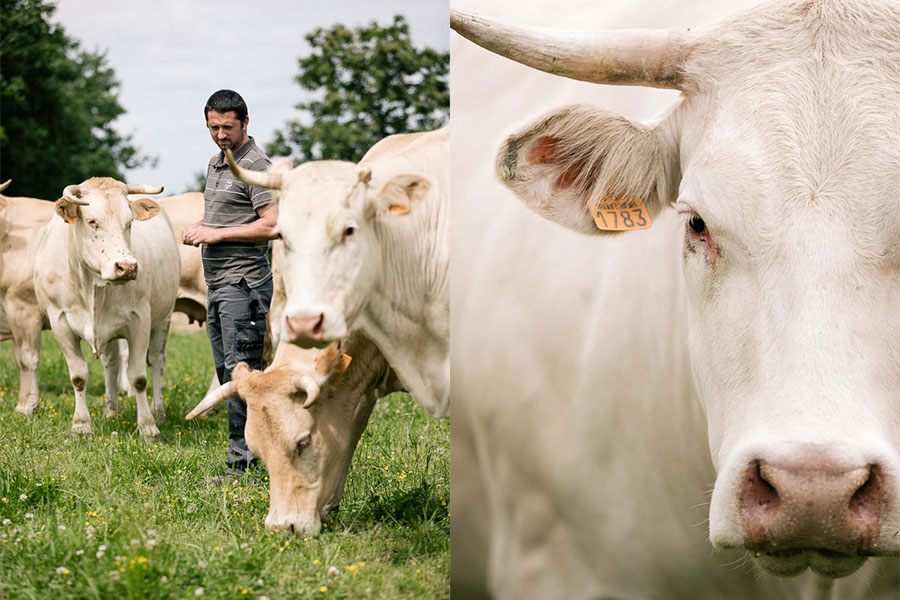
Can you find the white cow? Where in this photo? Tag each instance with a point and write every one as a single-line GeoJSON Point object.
{"type": "Point", "coordinates": [108, 269]}
{"type": "Point", "coordinates": [760, 307]}
{"type": "Point", "coordinates": [367, 247]}
{"type": "Point", "coordinates": [21, 319]}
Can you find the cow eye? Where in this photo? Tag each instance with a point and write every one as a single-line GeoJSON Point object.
{"type": "Point", "coordinates": [93, 223]}
{"type": "Point", "coordinates": [303, 443]}
{"type": "Point", "coordinates": [349, 230]}
{"type": "Point", "coordinates": [696, 224]}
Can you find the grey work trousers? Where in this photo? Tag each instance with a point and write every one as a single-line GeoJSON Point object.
{"type": "Point", "coordinates": [236, 323]}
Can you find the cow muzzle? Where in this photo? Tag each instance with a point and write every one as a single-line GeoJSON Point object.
{"type": "Point", "coordinates": [303, 526]}
{"type": "Point", "coordinates": [826, 516]}
{"type": "Point", "coordinates": [124, 270]}
{"type": "Point", "coordinates": [306, 330]}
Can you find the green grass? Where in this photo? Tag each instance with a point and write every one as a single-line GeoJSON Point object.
{"type": "Point", "coordinates": [113, 516]}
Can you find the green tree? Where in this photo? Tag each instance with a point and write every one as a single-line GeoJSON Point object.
{"type": "Point", "coordinates": [367, 83]}
{"type": "Point", "coordinates": [57, 104]}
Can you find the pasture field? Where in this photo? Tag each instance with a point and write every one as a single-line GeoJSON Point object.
{"type": "Point", "coordinates": [114, 516]}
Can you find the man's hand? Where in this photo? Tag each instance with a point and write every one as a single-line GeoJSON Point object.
{"type": "Point", "coordinates": [196, 234]}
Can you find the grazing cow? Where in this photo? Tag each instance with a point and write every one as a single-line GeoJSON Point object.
{"type": "Point", "coordinates": [305, 415]}
{"type": "Point", "coordinates": [760, 308]}
{"type": "Point", "coordinates": [108, 269]}
{"type": "Point", "coordinates": [367, 247]}
{"type": "Point", "coordinates": [21, 318]}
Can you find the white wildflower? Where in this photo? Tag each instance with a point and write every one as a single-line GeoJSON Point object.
{"type": "Point", "coordinates": [79, 552]}
{"type": "Point", "coordinates": [29, 515]}
{"type": "Point", "coordinates": [7, 522]}
{"type": "Point", "coordinates": [334, 571]}
{"type": "Point", "coordinates": [62, 527]}
{"type": "Point", "coordinates": [62, 571]}
{"type": "Point", "coordinates": [23, 497]}
{"type": "Point", "coordinates": [198, 591]}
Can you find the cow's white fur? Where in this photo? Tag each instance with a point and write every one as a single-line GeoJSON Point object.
{"type": "Point", "coordinates": [20, 316]}
{"type": "Point", "coordinates": [72, 285]}
{"type": "Point", "coordinates": [585, 469]}
{"type": "Point", "coordinates": [391, 280]}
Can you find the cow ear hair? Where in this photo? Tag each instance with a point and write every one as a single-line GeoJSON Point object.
{"type": "Point", "coordinates": [144, 208]}
{"type": "Point", "coordinates": [400, 195]}
{"type": "Point", "coordinates": [68, 211]}
{"type": "Point", "coordinates": [579, 157]}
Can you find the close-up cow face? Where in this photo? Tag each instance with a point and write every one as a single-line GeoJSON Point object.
{"type": "Point", "coordinates": [101, 216]}
{"type": "Point", "coordinates": [334, 220]}
{"type": "Point", "coordinates": [790, 208]}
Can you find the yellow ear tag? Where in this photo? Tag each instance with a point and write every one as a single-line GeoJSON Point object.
{"type": "Point", "coordinates": [622, 214]}
{"type": "Point", "coordinates": [345, 361]}
{"type": "Point", "coordinates": [396, 209]}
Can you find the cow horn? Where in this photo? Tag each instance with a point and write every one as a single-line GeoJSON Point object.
{"type": "Point", "coordinates": [646, 57]}
{"type": "Point", "coordinates": [143, 189]}
{"type": "Point", "coordinates": [69, 193]}
{"type": "Point", "coordinates": [219, 395]}
{"type": "Point", "coordinates": [264, 179]}
{"type": "Point", "coordinates": [309, 385]}
{"type": "Point", "coordinates": [5, 184]}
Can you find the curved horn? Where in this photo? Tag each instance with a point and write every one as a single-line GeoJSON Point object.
{"type": "Point", "coordinates": [647, 57]}
{"type": "Point", "coordinates": [217, 397]}
{"type": "Point", "coordinates": [69, 193]}
{"type": "Point", "coordinates": [257, 178]}
{"type": "Point", "coordinates": [309, 385]}
{"type": "Point", "coordinates": [5, 184]}
{"type": "Point", "coordinates": [143, 189]}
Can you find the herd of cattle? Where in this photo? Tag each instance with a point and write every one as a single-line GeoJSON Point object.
{"type": "Point", "coordinates": [104, 265]}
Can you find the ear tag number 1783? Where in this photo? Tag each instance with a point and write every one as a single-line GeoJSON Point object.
{"type": "Point", "coordinates": [621, 215]}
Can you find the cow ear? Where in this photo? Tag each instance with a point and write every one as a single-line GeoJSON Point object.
{"type": "Point", "coordinates": [575, 160]}
{"type": "Point", "coordinates": [400, 194]}
{"type": "Point", "coordinates": [144, 208]}
{"type": "Point", "coordinates": [67, 210]}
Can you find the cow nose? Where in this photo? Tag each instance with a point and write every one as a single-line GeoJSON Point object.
{"type": "Point", "coordinates": [302, 327]}
{"type": "Point", "coordinates": [809, 505]}
{"type": "Point", "coordinates": [125, 269]}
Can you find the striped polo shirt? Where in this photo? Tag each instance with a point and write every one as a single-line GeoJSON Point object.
{"type": "Point", "coordinates": [229, 202]}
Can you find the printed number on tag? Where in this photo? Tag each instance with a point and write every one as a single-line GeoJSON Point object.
{"type": "Point", "coordinates": [622, 215]}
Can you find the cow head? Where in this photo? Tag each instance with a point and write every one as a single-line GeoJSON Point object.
{"type": "Point", "coordinates": [101, 216]}
{"type": "Point", "coordinates": [333, 217]}
{"type": "Point", "coordinates": [303, 427]}
{"type": "Point", "coordinates": [784, 168]}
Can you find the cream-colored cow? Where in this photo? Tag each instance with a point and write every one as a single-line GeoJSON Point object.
{"type": "Point", "coordinates": [305, 415]}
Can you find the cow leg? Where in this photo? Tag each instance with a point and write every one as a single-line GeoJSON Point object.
{"type": "Point", "coordinates": [124, 384]}
{"type": "Point", "coordinates": [27, 350]}
{"type": "Point", "coordinates": [110, 359]}
{"type": "Point", "coordinates": [78, 374]}
{"type": "Point", "coordinates": [137, 375]}
{"type": "Point", "coordinates": [156, 356]}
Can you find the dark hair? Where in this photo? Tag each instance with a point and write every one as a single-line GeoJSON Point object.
{"type": "Point", "coordinates": [224, 101]}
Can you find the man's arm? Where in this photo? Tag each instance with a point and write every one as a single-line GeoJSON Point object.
{"type": "Point", "coordinates": [260, 230]}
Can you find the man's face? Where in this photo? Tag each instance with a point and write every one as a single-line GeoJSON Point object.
{"type": "Point", "coordinates": [225, 128]}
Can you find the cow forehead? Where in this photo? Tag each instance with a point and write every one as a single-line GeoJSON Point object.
{"type": "Point", "coordinates": [106, 196]}
{"type": "Point", "coordinates": [790, 116]}
{"type": "Point", "coordinates": [319, 188]}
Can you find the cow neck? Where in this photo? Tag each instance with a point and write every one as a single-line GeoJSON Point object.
{"type": "Point", "coordinates": [92, 296]}
{"type": "Point", "coordinates": [395, 308]}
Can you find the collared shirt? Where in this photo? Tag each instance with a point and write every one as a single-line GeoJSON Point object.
{"type": "Point", "coordinates": [229, 202]}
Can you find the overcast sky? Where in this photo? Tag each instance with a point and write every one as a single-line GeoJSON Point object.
{"type": "Point", "coordinates": [170, 55]}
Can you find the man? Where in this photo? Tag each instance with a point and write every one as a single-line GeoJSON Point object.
{"type": "Point", "coordinates": [237, 224]}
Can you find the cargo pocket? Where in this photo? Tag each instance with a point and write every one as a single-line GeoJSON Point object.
{"type": "Point", "coordinates": [248, 340]}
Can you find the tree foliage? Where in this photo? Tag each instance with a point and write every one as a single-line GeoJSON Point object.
{"type": "Point", "coordinates": [367, 83]}
{"type": "Point", "coordinates": [57, 104]}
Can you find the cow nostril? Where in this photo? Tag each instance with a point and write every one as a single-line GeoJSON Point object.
{"type": "Point", "coordinates": [866, 502]}
{"type": "Point", "coordinates": [758, 491]}
{"type": "Point", "coordinates": [320, 324]}
{"type": "Point", "coordinates": [290, 527]}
